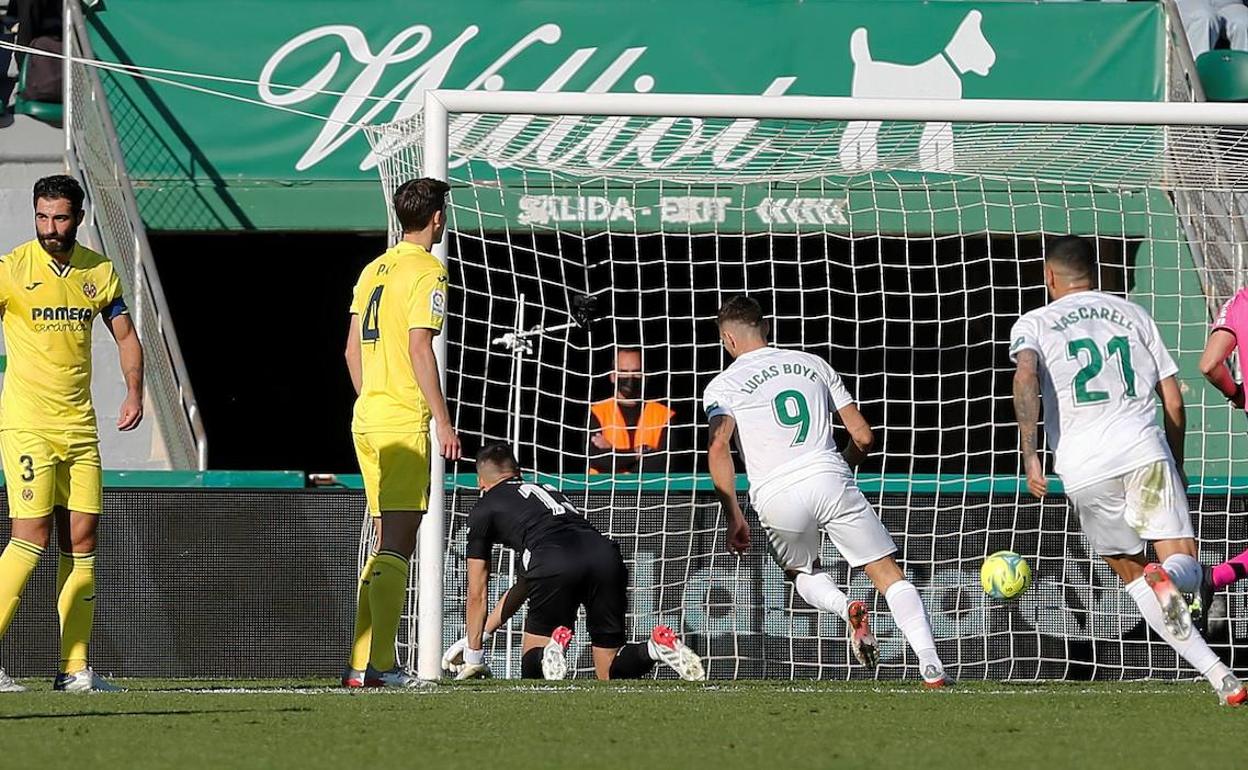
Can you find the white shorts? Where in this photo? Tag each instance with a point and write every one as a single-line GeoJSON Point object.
{"type": "Point", "coordinates": [794, 514]}
{"type": "Point", "coordinates": [1119, 515]}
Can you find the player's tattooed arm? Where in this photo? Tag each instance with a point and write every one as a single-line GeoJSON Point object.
{"type": "Point", "coordinates": [724, 477]}
{"type": "Point", "coordinates": [1027, 412]}
{"type": "Point", "coordinates": [861, 438]}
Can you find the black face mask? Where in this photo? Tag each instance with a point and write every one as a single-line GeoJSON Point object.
{"type": "Point", "coordinates": [629, 387]}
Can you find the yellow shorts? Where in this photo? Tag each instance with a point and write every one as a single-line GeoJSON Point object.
{"type": "Point", "coordinates": [395, 467]}
{"type": "Point", "coordinates": [49, 470]}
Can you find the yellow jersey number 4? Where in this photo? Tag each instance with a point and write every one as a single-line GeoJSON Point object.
{"type": "Point", "coordinates": [369, 330]}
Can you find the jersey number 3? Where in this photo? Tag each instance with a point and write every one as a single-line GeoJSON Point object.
{"type": "Point", "coordinates": [368, 325]}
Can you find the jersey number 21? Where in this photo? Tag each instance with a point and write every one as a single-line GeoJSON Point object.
{"type": "Point", "coordinates": [1117, 347]}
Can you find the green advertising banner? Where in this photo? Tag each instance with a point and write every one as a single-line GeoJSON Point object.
{"type": "Point", "coordinates": [203, 162]}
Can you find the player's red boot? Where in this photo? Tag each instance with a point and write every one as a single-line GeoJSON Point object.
{"type": "Point", "coordinates": [1174, 608]}
{"type": "Point", "coordinates": [554, 658]}
{"type": "Point", "coordinates": [935, 678]}
{"type": "Point", "coordinates": [1232, 692]}
{"type": "Point", "coordinates": [861, 641]}
{"type": "Point", "coordinates": [353, 678]}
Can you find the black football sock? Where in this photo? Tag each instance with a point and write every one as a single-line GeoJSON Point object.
{"type": "Point", "coordinates": [633, 661]}
{"type": "Point", "coordinates": [531, 664]}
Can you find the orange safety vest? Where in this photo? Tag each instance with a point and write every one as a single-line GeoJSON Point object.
{"type": "Point", "coordinates": [649, 431]}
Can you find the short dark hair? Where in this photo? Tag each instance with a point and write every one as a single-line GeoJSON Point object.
{"type": "Point", "coordinates": [1074, 253]}
{"type": "Point", "coordinates": [745, 311]}
{"type": "Point", "coordinates": [417, 200]}
{"type": "Point", "coordinates": [498, 456]}
{"type": "Point", "coordinates": [60, 187]}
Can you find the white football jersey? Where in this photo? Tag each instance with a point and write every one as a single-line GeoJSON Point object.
{"type": "Point", "coordinates": [1101, 358]}
{"type": "Point", "coordinates": [782, 401]}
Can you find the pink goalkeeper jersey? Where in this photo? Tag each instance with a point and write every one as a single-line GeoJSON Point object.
{"type": "Point", "coordinates": [1234, 319]}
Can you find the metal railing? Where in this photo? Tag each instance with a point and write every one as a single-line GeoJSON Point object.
{"type": "Point", "coordinates": [94, 155]}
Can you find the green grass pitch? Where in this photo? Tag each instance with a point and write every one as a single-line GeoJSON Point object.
{"type": "Point", "coordinates": [757, 725]}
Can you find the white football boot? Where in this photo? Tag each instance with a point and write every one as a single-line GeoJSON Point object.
{"type": "Point", "coordinates": [400, 678]}
{"type": "Point", "coordinates": [85, 680]}
{"type": "Point", "coordinates": [554, 654]}
{"type": "Point", "coordinates": [861, 641]}
{"type": "Point", "coordinates": [670, 650]}
{"type": "Point", "coordinates": [1175, 610]}
{"type": "Point", "coordinates": [8, 685]}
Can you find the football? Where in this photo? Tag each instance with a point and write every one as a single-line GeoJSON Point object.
{"type": "Point", "coordinates": [1005, 575]}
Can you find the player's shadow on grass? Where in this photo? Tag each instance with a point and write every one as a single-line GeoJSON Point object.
{"type": "Point", "coordinates": [153, 713]}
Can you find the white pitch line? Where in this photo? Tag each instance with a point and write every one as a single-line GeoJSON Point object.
{"type": "Point", "coordinates": [960, 692]}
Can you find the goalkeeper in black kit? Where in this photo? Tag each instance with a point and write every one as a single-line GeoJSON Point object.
{"type": "Point", "coordinates": [564, 564]}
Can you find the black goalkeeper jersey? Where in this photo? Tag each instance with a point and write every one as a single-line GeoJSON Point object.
{"type": "Point", "coordinates": [526, 517]}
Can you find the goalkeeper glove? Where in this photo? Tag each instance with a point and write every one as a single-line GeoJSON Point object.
{"type": "Point", "coordinates": [474, 665]}
{"type": "Point", "coordinates": [453, 658]}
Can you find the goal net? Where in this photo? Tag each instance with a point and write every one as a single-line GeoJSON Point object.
{"type": "Point", "coordinates": [899, 250]}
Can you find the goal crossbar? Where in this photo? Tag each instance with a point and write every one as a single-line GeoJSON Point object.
{"type": "Point", "coordinates": [834, 108]}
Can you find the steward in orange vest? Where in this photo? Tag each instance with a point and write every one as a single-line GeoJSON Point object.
{"type": "Point", "coordinates": [625, 428]}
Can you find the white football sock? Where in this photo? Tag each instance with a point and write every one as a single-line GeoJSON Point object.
{"type": "Point", "coordinates": [1184, 572]}
{"type": "Point", "coordinates": [1193, 649]}
{"type": "Point", "coordinates": [820, 591]}
{"type": "Point", "coordinates": [908, 612]}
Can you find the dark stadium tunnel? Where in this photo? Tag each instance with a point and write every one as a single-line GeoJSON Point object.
{"type": "Point", "coordinates": [262, 322]}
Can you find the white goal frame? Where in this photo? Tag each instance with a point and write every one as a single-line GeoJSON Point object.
{"type": "Point", "coordinates": [439, 103]}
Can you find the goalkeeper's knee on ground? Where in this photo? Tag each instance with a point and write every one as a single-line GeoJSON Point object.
{"type": "Point", "coordinates": [633, 661]}
{"type": "Point", "coordinates": [531, 664]}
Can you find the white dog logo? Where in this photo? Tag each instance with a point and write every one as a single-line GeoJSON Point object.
{"type": "Point", "coordinates": [940, 77]}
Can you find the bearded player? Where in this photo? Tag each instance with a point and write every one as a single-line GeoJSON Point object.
{"type": "Point", "coordinates": [779, 404]}
{"type": "Point", "coordinates": [565, 564]}
{"type": "Point", "coordinates": [1098, 359]}
{"type": "Point", "coordinates": [51, 290]}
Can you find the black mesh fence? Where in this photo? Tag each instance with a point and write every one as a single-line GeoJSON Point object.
{"type": "Point", "coordinates": [218, 583]}
{"type": "Point", "coordinates": [242, 584]}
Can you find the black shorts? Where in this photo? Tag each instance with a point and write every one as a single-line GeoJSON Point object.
{"type": "Point", "coordinates": [586, 571]}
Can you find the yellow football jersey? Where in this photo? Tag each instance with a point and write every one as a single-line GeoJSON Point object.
{"type": "Point", "coordinates": [403, 289]}
{"type": "Point", "coordinates": [48, 311]}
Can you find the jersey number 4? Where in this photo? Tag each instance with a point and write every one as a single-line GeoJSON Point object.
{"type": "Point", "coordinates": [368, 325]}
{"type": "Point", "coordinates": [1117, 346]}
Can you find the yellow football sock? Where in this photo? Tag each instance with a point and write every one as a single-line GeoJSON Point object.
{"type": "Point", "coordinates": [75, 578]}
{"type": "Point", "coordinates": [386, 592]}
{"type": "Point", "coordinates": [16, 564]}
{"type": "Point", "coordinates": [362, 639]}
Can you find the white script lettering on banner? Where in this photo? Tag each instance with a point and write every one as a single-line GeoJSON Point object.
{"type": "Point", "coordinates": [654, 144]}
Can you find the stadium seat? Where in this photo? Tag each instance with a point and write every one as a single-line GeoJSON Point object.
{"type": "Point", "coordinates": [1224, 75]}
{"type": "Point", "coordinates": [48, 112]}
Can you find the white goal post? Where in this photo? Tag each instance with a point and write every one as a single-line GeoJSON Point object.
{"type": "Point", "coordinates": [1159, 185]}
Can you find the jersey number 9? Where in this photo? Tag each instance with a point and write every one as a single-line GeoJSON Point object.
{"type": "Point", "coordinates": [793, 412]}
